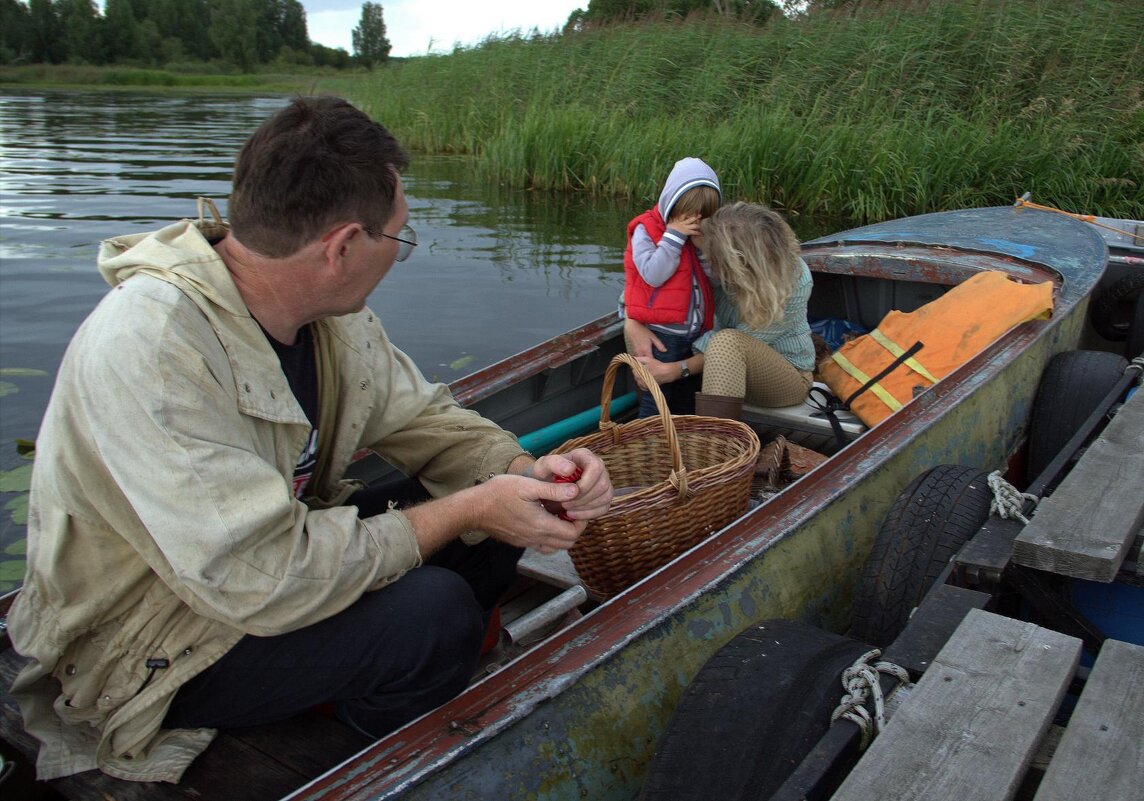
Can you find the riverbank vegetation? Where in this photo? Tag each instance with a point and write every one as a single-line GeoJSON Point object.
{"type": "Point", "coordinates": [866, 112]}
{"type": "Point", "coordinates": [178, 77]}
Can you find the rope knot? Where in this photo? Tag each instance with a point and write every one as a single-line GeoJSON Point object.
{"type": "Point", "coordinates": [862, 682]}
{"type": "Point", "coordinates": [1007, 502]}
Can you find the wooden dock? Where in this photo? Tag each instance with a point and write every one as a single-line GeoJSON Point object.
{"type": "Point", "coordinates": [971, 728]}
{"type": "Point", "coordinates": [985, 722]}
{"type": "Point", "coordinates": [1088, 526]}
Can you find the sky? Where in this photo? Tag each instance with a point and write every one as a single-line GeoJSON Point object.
{"type": "Point", "coordinates": [417, 27]}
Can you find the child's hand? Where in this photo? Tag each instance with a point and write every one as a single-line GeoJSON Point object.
{"type": "Point", "coordinates": [689, 225]}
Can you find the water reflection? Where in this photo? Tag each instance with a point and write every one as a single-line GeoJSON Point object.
{"type": "Point", "coordinates": [497, 270]}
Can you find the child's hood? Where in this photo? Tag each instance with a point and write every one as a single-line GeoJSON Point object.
{"type": "Point", "coordinates": [687, 174]}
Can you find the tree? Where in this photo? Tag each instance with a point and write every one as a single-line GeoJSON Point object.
{"type": "Point", "coordinates": [370, 44]}
{"type": "Point", "coordinates": [324, 56]}
{"type": "Point", "coordinates": [183, 26]}
{"type": "Point", "coordinates": [45, 40]}
{"type": "Point", "coordinates": [292, 24]}
{"type": "Point", "coordinates": [577, 21]}
{"type": "Point", "coordinates": [83, 37]}
{"type": "Point", "coordinates": [15, 31]}
{"type": "Point", "coordinates": [119, 30]}
{"type": "Point", "coordinates": [603, 11]}
{"type": "Point", "coordinates": [231, 24]}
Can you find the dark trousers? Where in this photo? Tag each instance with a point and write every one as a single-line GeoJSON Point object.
{"type": "Point", "coordinates": [391, 656]}
{"type": "Point", "coordinates": [679, 394]}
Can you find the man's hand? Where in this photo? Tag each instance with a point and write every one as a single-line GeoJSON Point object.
{"type": "Point", "coordinates": [534, 524]}
{"type": "Point", "coordinates": [594, 486]}
{"type": "Point", "coordinates": [511, 507]}
{"type": "Point", "coordinates": [512, 510]}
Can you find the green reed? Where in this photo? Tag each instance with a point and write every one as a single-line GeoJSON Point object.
{"type": "Point", "coordinates": [891, 109]}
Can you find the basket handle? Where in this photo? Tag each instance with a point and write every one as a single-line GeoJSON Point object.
{"type": "Point", "coordinates": [678, 477]}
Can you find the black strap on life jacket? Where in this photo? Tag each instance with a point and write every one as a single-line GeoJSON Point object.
{"type": "Point", "coordinates": [830, 404]}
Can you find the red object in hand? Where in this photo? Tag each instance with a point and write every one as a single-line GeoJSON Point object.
{"type": "Point", "coordinates": [572, 479]}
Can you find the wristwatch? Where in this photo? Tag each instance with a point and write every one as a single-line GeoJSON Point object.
{"type": "Point", "coordinates": [684, 370]}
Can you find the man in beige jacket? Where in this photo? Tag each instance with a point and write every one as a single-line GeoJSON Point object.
{"type": "Point", "coordinates": [196, 559]}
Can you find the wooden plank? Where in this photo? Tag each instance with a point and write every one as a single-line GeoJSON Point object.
{"type": "Point", "coordinates": [1087, 526]}
{"type": "Point", "coordinates": [555, 569]}
{"type": "Point", "coordinates": [970, 727]}
{"type": "Point", "coordinates": [929, 628]}
{"type": "Point", "coordinates": [1102, 750]}
{"type": "Point", "coordinates": [931, 625]}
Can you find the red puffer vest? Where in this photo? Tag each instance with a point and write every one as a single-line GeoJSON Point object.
{"type": "Point", "coordinates": [666, 304]}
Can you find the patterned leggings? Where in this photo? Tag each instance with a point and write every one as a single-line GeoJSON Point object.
{"type": "Point", "coordinates": [741, 366]}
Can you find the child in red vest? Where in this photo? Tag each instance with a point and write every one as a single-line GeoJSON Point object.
{"type": "Point", "coordinates": [666, 288]}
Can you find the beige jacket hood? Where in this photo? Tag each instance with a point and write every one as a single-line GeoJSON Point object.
{"type": "Point", "coordinates": [162, 523]}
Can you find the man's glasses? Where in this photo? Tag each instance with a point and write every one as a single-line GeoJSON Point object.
{"type": "Point", "coordinates": [405, 242]}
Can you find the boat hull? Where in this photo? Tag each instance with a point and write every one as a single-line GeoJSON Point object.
{"type": "Point", "coordinates": [579, 716]}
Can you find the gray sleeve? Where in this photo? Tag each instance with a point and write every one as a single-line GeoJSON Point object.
{"type": "Point", "coordinates": [657, 263]}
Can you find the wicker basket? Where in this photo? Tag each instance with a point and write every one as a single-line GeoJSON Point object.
{"type": "Point", "coordinates": [691, 476]}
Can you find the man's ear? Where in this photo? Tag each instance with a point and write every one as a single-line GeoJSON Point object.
{"type": "Point", "coordinates": [337, 241]}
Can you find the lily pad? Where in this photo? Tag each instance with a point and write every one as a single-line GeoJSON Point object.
{"type": "Point", "coordinates": [26, 447]}
{"type": "Point", "coordinates": [18, 479]}
{"type": "Point", "coordinates": [8, 388]}
{"type": "Point", "coordinates": [18, 508]}
{"type": "Point", "coordinates": [18, 548]}
{"type": "Point", "coordinates": [461, 363]}
{"type": "Point", "coordinates": [23, 371]}
{"type": "Point", "coordinates": [12, 570]}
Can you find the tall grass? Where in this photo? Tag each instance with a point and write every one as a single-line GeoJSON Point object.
{"type": "Point", "coordinates": [885, 110]}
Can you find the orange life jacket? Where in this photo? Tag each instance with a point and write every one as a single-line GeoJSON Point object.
{"type": "Point", "coordinates": [951, 329]}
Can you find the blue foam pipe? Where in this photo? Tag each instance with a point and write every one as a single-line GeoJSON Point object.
{"type": "Point", "coordinates": [545, 439]}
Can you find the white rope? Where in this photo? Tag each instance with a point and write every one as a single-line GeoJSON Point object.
{"type": "Point", "coordinates": [1007, 501]}
{"type": "Point", "coordinates": [861, 682]}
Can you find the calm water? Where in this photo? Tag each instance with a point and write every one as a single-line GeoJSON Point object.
{"type": "Point", "coordinates": [497, 271]}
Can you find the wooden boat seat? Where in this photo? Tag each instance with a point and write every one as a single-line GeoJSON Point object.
{"type": "Point", "coordinates": [801, 417]}
{"type": "Point", "coordinates": [555, 569]}
{"type": "Point", "coordinates": [1087, 527]}
{"type": "Point", "coordinates": [972, 726]}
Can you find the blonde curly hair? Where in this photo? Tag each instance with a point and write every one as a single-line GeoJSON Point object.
{"type": "Point", "coordinates": [754, 254]}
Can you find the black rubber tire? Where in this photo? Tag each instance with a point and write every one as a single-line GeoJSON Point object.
{"type": "Point", "coordinates": [1071, 387]}
{"type": "Point", "coordinates": [751, 714]}
{"type": "Point", "coordinates": [1134, 345]}
{"type": "Point", "coordinates": [930, 520]}
{"type": "Point", "coordinates": [1111, 311]}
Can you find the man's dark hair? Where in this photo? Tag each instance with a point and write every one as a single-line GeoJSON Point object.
{"type": "Point", "coordinates": [315, 163]}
